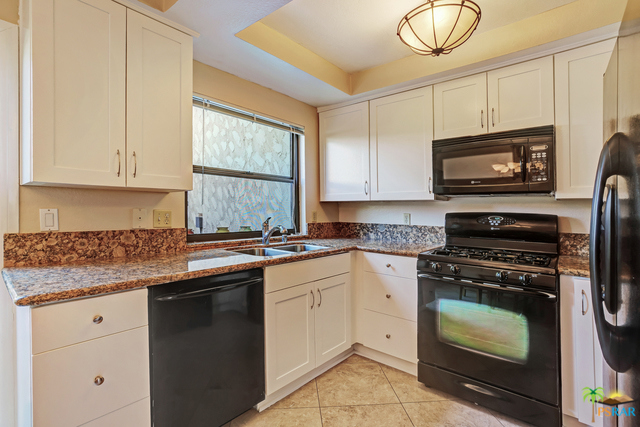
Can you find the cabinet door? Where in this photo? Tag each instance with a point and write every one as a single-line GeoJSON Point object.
{"type": "Point", "coordinates": [579, 113]}
{"type": "Point", "coordinates": [159, 99]}
{"type": "Point", "coordinates": [344, 153]}
{"type": "Point", "coordinates": [460, 107]}
{"type": "Point", "coordinates": [75, 128]}
{"type": "Point", "coordinates": [585, 349]}
{"type": "Point", "coordinates": [333, 317]}
{"type": "Point", "coordinates": [521, 95]}
{"type": "Point", "coordinates": [400, 135]}
{"type": "Point", "coordinates": [290, 335]}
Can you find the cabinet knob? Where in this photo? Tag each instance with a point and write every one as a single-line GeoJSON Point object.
{"type": "Point", "coordinates": [98, 380]}
{"type": "Point", "coordinates": [388, 296]}
{"type": "Point", "coordinates": [98, 319]}
{"type": "Point", "coordinates": [388, 265]}
{"type": "Point", "coordinates": [388, 336]}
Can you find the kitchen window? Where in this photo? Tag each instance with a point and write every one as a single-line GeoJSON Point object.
{"type": "Point", "coordinates": [245, 169]}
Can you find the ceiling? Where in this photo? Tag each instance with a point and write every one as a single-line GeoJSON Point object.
{"type": "Point", "coordinates": [359, 34]}
{"type": "Point", "coordinates": [344, 36]}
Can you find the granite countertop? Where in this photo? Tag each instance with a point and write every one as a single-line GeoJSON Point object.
{"type": "Point", "coordinates": [573, 265]}
{"type": "Point", "coordinates": [48, 284]}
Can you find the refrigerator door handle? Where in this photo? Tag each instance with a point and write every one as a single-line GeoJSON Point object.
{"type": "Point", "coordinates": [610, 274]}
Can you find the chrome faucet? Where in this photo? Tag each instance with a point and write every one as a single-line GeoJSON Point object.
{"type": "Point", "coordinates": [267, 233]}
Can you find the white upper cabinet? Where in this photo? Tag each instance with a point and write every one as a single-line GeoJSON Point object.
{"type": "Point", "coordinates": [401, 131]}
{"type": "Point", "coordinates": [99, 82]}
{"type": "Point", "coordinates": [344, 153]}
{"type": "Point", "coordinates": [73, 123]}
{"type": "Point", "coordinates": [520, 96]}
{"type": "Point", "coordinates": [579, 117]}
{"type": "Point", "coordinates": [460, 107]}
{"type": "Point", "coordinates": [159, 91]}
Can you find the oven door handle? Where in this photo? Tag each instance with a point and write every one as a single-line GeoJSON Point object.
{"type": "Point", "coordinates": [496, 287]}
{"type": "Point", "coordinates": [523, 163]}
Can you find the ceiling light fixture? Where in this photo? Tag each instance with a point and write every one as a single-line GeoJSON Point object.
{"type": "Point", "coordinates": [439, 26]}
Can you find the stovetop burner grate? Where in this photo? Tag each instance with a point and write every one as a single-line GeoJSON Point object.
{"type": "Point", "coordinates": [510, 257]}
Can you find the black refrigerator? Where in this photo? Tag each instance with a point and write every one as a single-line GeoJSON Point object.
{"type": "Point", "coordinates": [615, 223]}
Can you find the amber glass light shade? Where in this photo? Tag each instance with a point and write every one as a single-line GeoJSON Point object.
{"type": "Point", "coordinates": [439, 26]}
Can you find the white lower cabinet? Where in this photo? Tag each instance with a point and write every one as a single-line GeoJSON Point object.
{"type": "Point", "coordinates": [581, 355]}
{"type": "Point", "coordinates": [83, 362]}
{"type": "Point", "coordinates": [306, 324]}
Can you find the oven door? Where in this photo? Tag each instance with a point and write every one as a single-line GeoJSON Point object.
{"type": "Point", "coordinates": [505, 337]}
{"type": "Point", "coordinates": [480, 168]}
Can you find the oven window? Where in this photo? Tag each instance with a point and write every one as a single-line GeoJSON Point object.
{"type": "Point", "coordinates": [494, 165]}
{"type": "Point", "coordinates": [492, 331]}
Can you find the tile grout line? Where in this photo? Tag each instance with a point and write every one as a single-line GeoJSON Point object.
{"type": "Point", "coordinates": [315, 380]}
{"type": "Point", "coordinates": [397, 397]}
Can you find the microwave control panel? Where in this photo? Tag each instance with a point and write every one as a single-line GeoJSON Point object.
{"type": "Point", "coordinates": [539, 163]}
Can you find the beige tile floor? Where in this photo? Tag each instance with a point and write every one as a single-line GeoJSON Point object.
{"type": "Point", "coordinates": [360, 392]}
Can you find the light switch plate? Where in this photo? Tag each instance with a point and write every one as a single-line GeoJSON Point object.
{"type": "Point", "coordinates": [49, 220]}
{"type": "Point", "coordinates": [139, 218]}
{"type": "Point", "coordinates": [407, 219]}
{"type": "Point", "coordinates": [161, 219]}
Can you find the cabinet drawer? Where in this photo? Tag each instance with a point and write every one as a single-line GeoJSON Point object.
{"type": "Point", "coordinates": [393, 265]}
{"type": "Point", "coordinates": [64, 392]}
{"type": "Point", "coordinates": [135, 415]}
{"type": "Point", "coordinates": [403, 335]}
{"type": "Point", "coordinates": [285, 276]}
{"type": "Point", "coordinates": [59, 325]}
{"type": "Point", "coordinates": [395, 296]}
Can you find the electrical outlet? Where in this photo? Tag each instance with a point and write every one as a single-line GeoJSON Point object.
{"type": "Point", "coordinates": [139, 218]}
{"type": "Point", "coordinates": [407, 219]}
{"type": "Point", "coordinates": [314, 216]}
{"type": "Point", "coordinates": [161, 219]}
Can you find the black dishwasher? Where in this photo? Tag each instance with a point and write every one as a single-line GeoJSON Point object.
{"type": "Point", "coordinates": [207, 349]}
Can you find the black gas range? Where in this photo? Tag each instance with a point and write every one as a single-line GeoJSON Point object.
{"type": "Point", "coordinates": [488, 314]}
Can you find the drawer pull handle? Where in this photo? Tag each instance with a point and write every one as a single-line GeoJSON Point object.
{"type": "Point", "coordinates": [98, 380]}
{"type": "Point", "coordinates": [388, 296]}
{"type": "Point", "coordinates": [98, 319]}
{"type": "Point", "coordinates": [388, 265]}
{"type": "Point", "coordinates": [388, 336]}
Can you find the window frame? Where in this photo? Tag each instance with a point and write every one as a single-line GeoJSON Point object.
{"type": "Point", "coordinates": [232, 173]}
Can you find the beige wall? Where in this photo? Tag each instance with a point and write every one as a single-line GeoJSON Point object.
{"type": "Point", "coordinates": [85, 210]}
{"type": "Point", "coordinates": [229, 89]}
{"type": "Point", "coordinates": [9, 10]}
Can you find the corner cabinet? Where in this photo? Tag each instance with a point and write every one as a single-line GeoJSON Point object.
{"type": "Point", "coordinates": [95, 89]}
{"type": "Point", "coordinates": [508, 98]}
{"type": "Point", "coordinates": [344, 153]}
{"type": "Point", "coordinates": [400, 136]}
{"type": "Point", "coordinates": [378, 150]}
{"type": "Point", "coordinates": [579, 117]}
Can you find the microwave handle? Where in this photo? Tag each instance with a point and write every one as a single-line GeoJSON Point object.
{"type": "Point", "coordinates": [523, 163]}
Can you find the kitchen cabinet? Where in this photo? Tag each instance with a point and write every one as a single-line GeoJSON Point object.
{"type": "Point", "coordinates": [400, 135]}
{"type": "Point", "coordinates": [344, 153]}
{"type": "Point", "coordinates": [84, 361]}
{"type": "Point", "coordinates": [306, 324]}
{"type": "Point", "coordinates": [508, 98]}
{"type": "Point", "coordinates": [460, 107]}
{"type": "Point", "coordinates": [100, 82]}
{"type": "Point", "coordinates": [520, 96]}
{"type": "Point", "coordinates": [581, 355]}
{"type": "Point", "coordinates": [388, 313]}
{"type": "Point", "coordinates": [579, 111]}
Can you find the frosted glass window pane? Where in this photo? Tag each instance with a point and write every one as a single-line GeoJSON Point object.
{"type": "Point", "coordinates": [238, 202]}
{"type": "Point", "coordinates": [243, 145]}
{"type": "Point", "coordinates": [198, 135]}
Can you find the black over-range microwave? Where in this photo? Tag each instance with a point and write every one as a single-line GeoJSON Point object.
{"type": "Point", "coordinates": [513, 162]}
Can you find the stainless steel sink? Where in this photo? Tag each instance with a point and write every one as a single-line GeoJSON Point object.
{"type": "Point", "coordinates": [300, 248]}
{"type": "Point", "coordinates": [260, 251]}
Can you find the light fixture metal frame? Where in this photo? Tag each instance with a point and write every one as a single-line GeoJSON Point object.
{"type": "Point", "coordinates": [431, 5]}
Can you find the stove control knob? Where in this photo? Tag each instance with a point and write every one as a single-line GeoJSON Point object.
{"type": "Point", "coordinates": [525, 279]}
{"type": "Point", "coordinates": [454, 269]}
{"type": "Point", "coordinates": [502, 276]}
{"type": "Point", "coordinates": [436, 267]}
